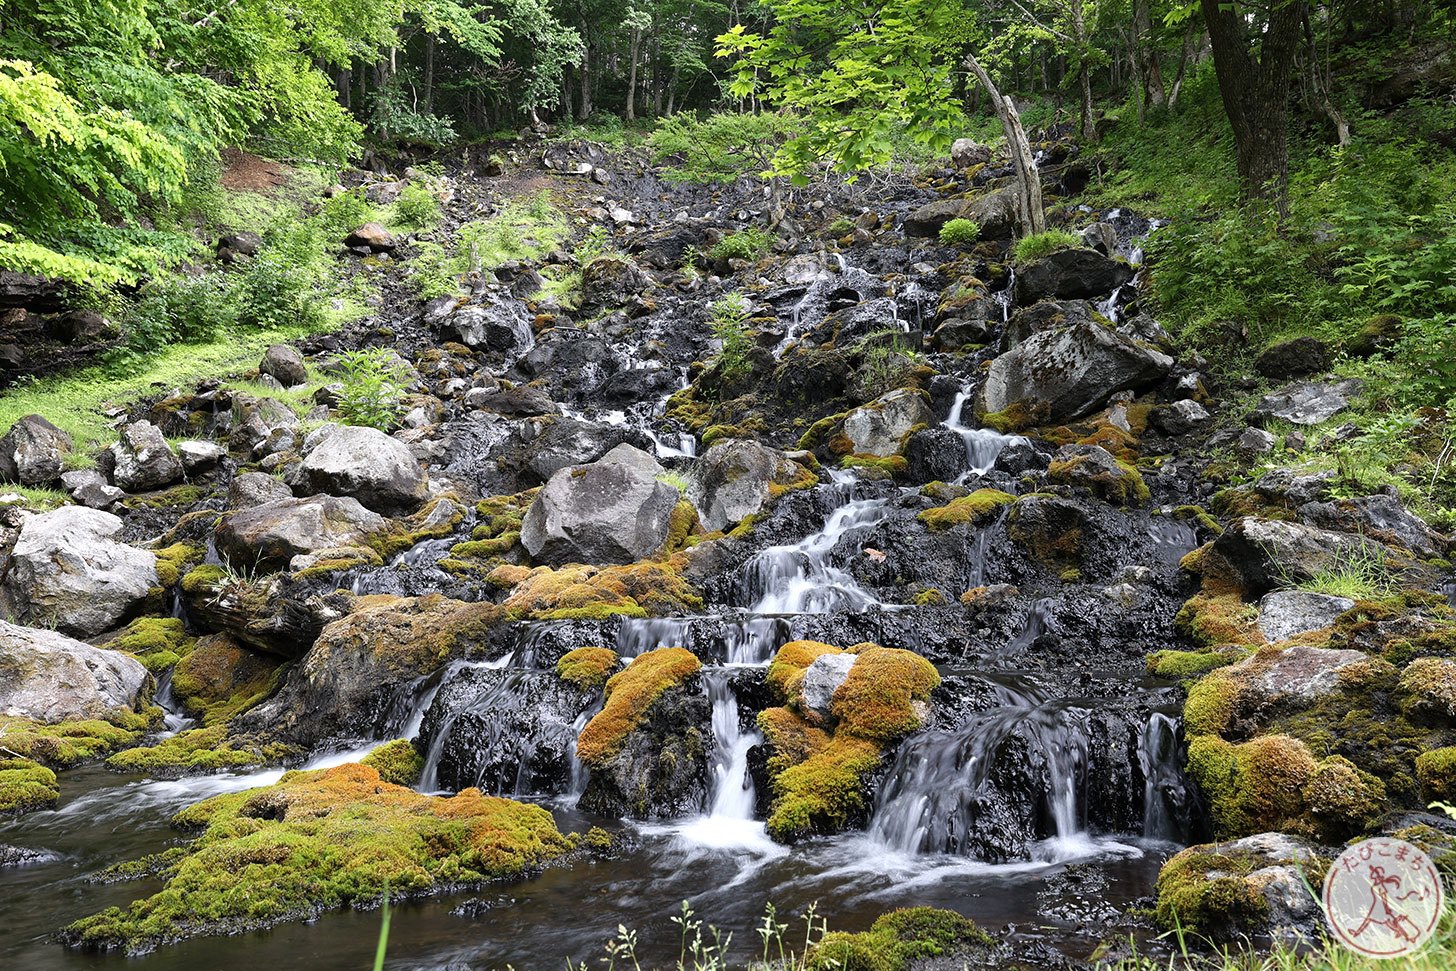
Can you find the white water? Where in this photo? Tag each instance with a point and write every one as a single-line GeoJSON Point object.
{"type": "Point", "coordinates": [798, 579]}
{"type": "Point", "coordinates": [983, 445]}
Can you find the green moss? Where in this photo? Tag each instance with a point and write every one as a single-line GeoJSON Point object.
{"type": "Point", "coordinates": [1343, 800]}
{"type": "Point", "coordinates": [158, 642]}
{"type": "Point", "coordinates": [897, 941]}
{"type": "Point", "coordinates": [647, 588]}
{"type": "Point", "coordinates": [1016, 417]}
{"type": "Point", "coordinates": [885, 695]}
{"type": "Point", "coordinates": [883, 466]}
{"type": "Point", "coordinates": [319, 841]}
{"type": "Point", "coordinates": [1124, 488]}
{"type": "Point", "coordinates": [812, 437]}
{"type": "Point", "coordinates": [630, 694]}
{"type": "Point", "coordinates": [220, 679]}
{"type": "Point", "coordinates": [1200, 516]}
{"type": "Point", "coordinates": [397, 762]}
{"type": "Point", "coordinates": [787, 668]}
{"type": "Point", "coordinates": [174, 561]}
{"type": "Point", "coordinates": [1428, 687]}
{"type": "Point", "coordinates": [26, 786]}
{"type": "Point", "coordinates": [1436, 771]}
{"type": "Point", "coordinates": [1255, 786]}
{"type": "Point", "coordinates": [587, 668]}
{"type": "Point", "coordinates": [1184, 664]}
{"type": "Point", "coordinates": [930, 597]}
{"type": "Point", "coordinates": [974, 508]}
{"type": "Point", "coordinates": [1206, 892]}
{"type": "Point", "coordinates": [197, 750]}
{"type": "Point", "coordinates": [1218, 619]}
{"type": "Point", "coordinates": [67, 743]}
{"type": "Point", "coordinates": [203, 579]}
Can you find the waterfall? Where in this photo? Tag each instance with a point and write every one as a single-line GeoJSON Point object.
{"type": "Point", "coordinates": [174, 718]}
{"type": "Point", "coordinates": [429, 777]}
{"type": "Point", "coordinates": [799, 579]}
{"type": "Point", "coordinates": [1164, 790]}
{"type": "Point", "coordinates": [983, 445]}
{"type": "Point", "coordinates": [732, 787]}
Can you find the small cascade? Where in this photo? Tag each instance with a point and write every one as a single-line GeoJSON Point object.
{"type": "Point", "coordinates": [494, 695]}
{"type": "Point", "coordinates": [637, 637]}
{"type": "Point", "coordinates": [799, 579]}
{"type": "Point", "coordinates": [1037, 619]}
{"type": "Point", "coordinates": [1006, 297]}
{"type": "Point", "coordinates": [1172, 538]}
{"type": "Point", "coordinates": [174, 718]}
{"type": "Point", "coordinates": [983, 445]}
{"type": "Point", "coordinates": [732, 787]}
{"type": "Point", "coordinates": [1165, 794]}
{"type": "Point", "coordinates": [425, 553]}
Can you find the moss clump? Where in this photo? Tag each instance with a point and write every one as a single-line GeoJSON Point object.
{"type": "Point", "coordinates": [587, 668]}
{"type": "Point", "coordinates": [1437, 772]}
{"type": "Point", "coordinates": [880, 466]}
{"type": "Point", "coordinates": [437, 519]}
{"type": "Point", "coordinates": [339, 560]}
{"type": "Point", "coordinates": [816, 432]}
{"type": "Point", "coordinates": [644, 589]}
{"type": "Point", "coordinates": [398, 762]}
{"type": "Point", "coordinates": [1184, 664]}
{"type": "Point", "coordinates": [630, 694]}
{"type": "Point", "coordinates": [1199, 517]}
{"type": "Point", "coordinates": [897, 941]}
{"type": "Point", "coordinates": [1342, 799]}
{"type": "Point", "coordinates": [26, 786]}
{"type": "Point", "coordinates": [1253, 787]}
{"type": "Point", "coordinates": [930, 597]}
{"type": "Point", "coordinates": [817, 773]}
{"type": "Point", "coordinates": [197, 750]}
{"type": "Point", "coordinates": [174, 561]}
{"type": "Point", "coordinates": [786, 670]}
{"type": "Point", "coordinates": [974, 508]}
{"type": "Point", "coordinates": [203, 579]}
{"type": "Point", "coordinates": [884, 697]}
{"type": "Point", "coordinates": [1218, 619]}
{"type": "Point", "coordinates": [1204, 892]}
{"type": "Point", "coordinates": [220, 678]}
{"type": "Point", "coordinates": [158, 642]}
{"type": "Point", "coordinates": [1429, 688]}
{"type": "Point", "coordinates": [494, 537]}
{"type": "Point", "coordinates": [1016, 417]}
{"type": "Point", "coordinates": [1124, 487]}
{"type": "Point", "coordinates": [318, 841]}
{"type": "Point", "coordinates": [67, 743]}
{"type": "Point", "coordinates": [681, 524]}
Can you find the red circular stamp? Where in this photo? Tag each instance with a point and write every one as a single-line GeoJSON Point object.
{"type": "Point", "coordinates": [1383, 897]}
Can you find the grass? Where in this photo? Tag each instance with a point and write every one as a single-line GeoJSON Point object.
{"type": "Point", "coordinates": [34, 497]}
{"type": "Point", "coordinates": [1361, 573]}
{"type": "Point", "coordinates": [1037, 245]}
{"type": "Point", "coordinates": [77, 402]}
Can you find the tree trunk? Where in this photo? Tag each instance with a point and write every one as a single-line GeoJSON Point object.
{"type": "Point", "coordinates": [1029, 211]}
{"type": "Point", "coordinates": [1256, 93]}
{"type": "Point", "coordinates": [586, 92]}
{"type": "Point", "coordinates": [1146, 46]}
{"type": "Point", "coordinates": [632, 76]}
{"type": "Point", "coordinates": [427, 79]}
{"type": "Point", "coordinates": [1319, 81]}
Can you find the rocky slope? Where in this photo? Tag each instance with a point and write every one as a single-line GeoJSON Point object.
{"type": "Point", "coordinates": [924, 541]}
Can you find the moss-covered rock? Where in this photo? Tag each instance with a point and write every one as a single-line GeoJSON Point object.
{"type": "Point", "coordinates": [321, 840]}
{"type": "Point", "coordinates": [587, 668]}
{"type": "Point", "coordinates": [199, 750]}
{"type": "Point", "coordinates": [398, 762]}
{"type": "Point", "coordinates": [1253, 886]}
{"type": "Point", "coordinates": [1254, 786]}
{"type": "Point", "coordinates": [158, 642]}
{"type": "Point", "coordinates": [1436, 771]}
{"type": "Point", "coordinates": [1093, 468]}
{"type": "Point", "coordinates": [1218, 619]}
{"type": "Point", "coordinates": [1185, 664]}
{"type": "Point", "coordinates": [220, 678]}
{"type": "Point", "coordinates": [630, 694]}
{"type": "Point", "coordinates": [973, 509]}
{"type": "Point", "coordinates": [649, 588]}
{"type": "Point", "coordinates": [26, 786]}
{"type": "Point", "coordinates": [900, 940]}
{"type": "Point", "coordinates": [69, 743]}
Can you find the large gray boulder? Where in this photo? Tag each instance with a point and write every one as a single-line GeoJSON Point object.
{"type": "Point", "coordinates": [499, 324]}
{"type": "Point", "coordinates": [735, 479]}
{"type": "Point", "coordinates": [1267, 553]}
{"type": "Point", "coordinates": [994, 212]}
{"type": "Point", "coordinates": [1379, 516]}
{"type": "Point", "coordinates": [1286, 613]}
{"type": "Point", "coordinates": [285, 364]}
{"type": "Point", "coordinates": [262, 426]}
{"type": "Point", "coordinates": [368, 465]}
{"type": "Point", "coordinates": [1070, 273]}
{"type": "Point", "coordinates": [144, 460]}
{"type": "Point", "coordinates": [1059, 374]}
{"type": "Point", "coordinates": [269, 535]}
{"type": "Point", "coordinates": [49, 677]}
{"type": "Point", "coordinates": [599, 513]}
{"type": "Point", "coordinates": [1306, 403]}
{"type": "Point", "coordinates": [68, 571]}
{"type": "Point", "coordinates": [882, 426]}
{"type": "Point", "coordinates": [33, 452]}
{"type": "Point", "coordinates": [610, 282]}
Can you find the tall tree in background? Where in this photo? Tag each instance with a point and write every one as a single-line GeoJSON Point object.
{"type": "Point", "coordinates": [1253, 55]}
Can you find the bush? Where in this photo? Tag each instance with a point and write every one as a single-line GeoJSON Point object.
{"type": "Point", "coordinates": [746, 244]}
{"type": "Point", "coordinates": [1037, 245]}
{"type": "Point", "coordinates": [727, 319]}
{"type": "Point", "coordinates": [416, 208]}
{"type": "Point", "coordinates": [373, 383]}
{"type": "Point", "coordinates": [180, 310]}
{"type": "Point", "coordinates": [723, 147]}
{"type": "Point", "coordinates": [960, 232]}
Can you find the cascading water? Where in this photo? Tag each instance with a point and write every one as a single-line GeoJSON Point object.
{"type": "Point", "coordinates": [1165, 795]}
{"type": "Point", "coordinates": [983, 445]}
{"type": "Point", "coordinates": [798, 578]}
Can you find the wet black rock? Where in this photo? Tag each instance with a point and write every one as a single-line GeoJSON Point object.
{"type": "Point", "coordinates": [662, 770]}
{"type": "Point", "coordinates": [1070, 273]}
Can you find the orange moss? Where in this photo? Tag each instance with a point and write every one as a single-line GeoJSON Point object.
{"type": "Point", "coordinates": [786, 671]}
{"type": "Point", "coordinates": [1218, 619]}
{"type": "Point", "coordinates": [587, 668]}
{"type": "Point", "coordinates": [643, 589]}
{"type": "Point", "coordinates": [630, 694]}
{"type": "Point", "coordinates": [885, 694]}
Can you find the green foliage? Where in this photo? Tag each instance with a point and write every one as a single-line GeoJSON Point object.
{"type": "Point", "coordinates": [721, 147]}
{"type": "Point", "coordinates": [727, 319]}
{"type": "Point", "coordinates": [888, 361]}
{"type": "Point", "coordinates": [1037, 245]}
{"type": "Point", "coordinates": [416, 207]}
{"type": "Point", "coordinates": [750, 244]}
{"type": "Point", "coordinates": [373, 387]}
{"type": "Point", "coordinates": [432, 272]}
{"type": "Point", "coordinates": [181, 309]}
{"type": "Point", "coordinates": [596, 242]}
{"type": "Point", "coordinates": [960, 232]}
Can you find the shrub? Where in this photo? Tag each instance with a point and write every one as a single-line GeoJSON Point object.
{"type": "Point", "coordinates": [596, 242]}
{"type": "Point", "coordinates": [723, 147]}
{"type": "Point", "coordinates": [746, 244]}
{"type": "Point", "coordinates": [1037, 245]}
{"type": "Point", "coordinates": [373, 382]}
{"type": "Point", "coordinates": [180, 310]}
{"type": "Point", "coordinates": [960, 232]}
{"type": "Point", "coordinates": [727, 319]}
{"type": "Point", "coordinates": [416, 208]}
